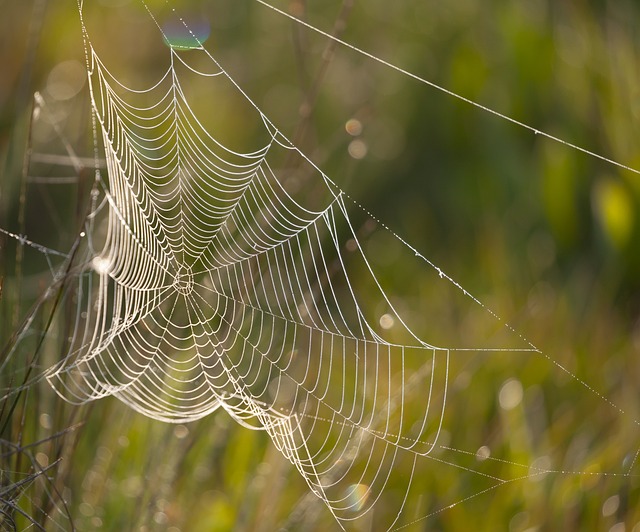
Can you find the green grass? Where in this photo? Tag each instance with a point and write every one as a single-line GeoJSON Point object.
{"type": "Point", "coordinates": [543, 235]}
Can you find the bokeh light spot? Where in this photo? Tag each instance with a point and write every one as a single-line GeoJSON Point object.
{"type": "Point", "coordinates": [483, 453]}
{"type": "Point", "coordinates": [357, 149]}
{"type": "Point", "coordinates": [611, 506]}
{"type": "Point", "coordinates": [101, 265]}
{"type": "Point", "coordinates": [510, 394]}
{"type": "Point", "coordinates": [65, 80]}
{"type": "Point", "coordinates": [186, 33]}
{"type": "Point", "coordinates": [386, 321]}
{"type": "Point", "coordinates": [353, 127]}
{"type": "Point", "coordinates": [356, 496]}
{"type": "Point", "coordinates": [614, 208]}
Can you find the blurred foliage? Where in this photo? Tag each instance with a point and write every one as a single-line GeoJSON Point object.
{"type": "Point", "coordinates": [544, 235]}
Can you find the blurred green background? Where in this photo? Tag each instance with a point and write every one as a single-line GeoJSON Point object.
{"type": "Point", "coordinates": [543, 235]}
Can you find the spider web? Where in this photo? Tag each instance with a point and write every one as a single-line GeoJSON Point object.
{"type": "Point", "coordinates": [216, 288]}
{"type": "Point", "coordinates": [208, 281]}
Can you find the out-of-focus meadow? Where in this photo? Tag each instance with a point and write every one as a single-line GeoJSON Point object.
{"type": "Point", "coordinates": [543, 235]}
